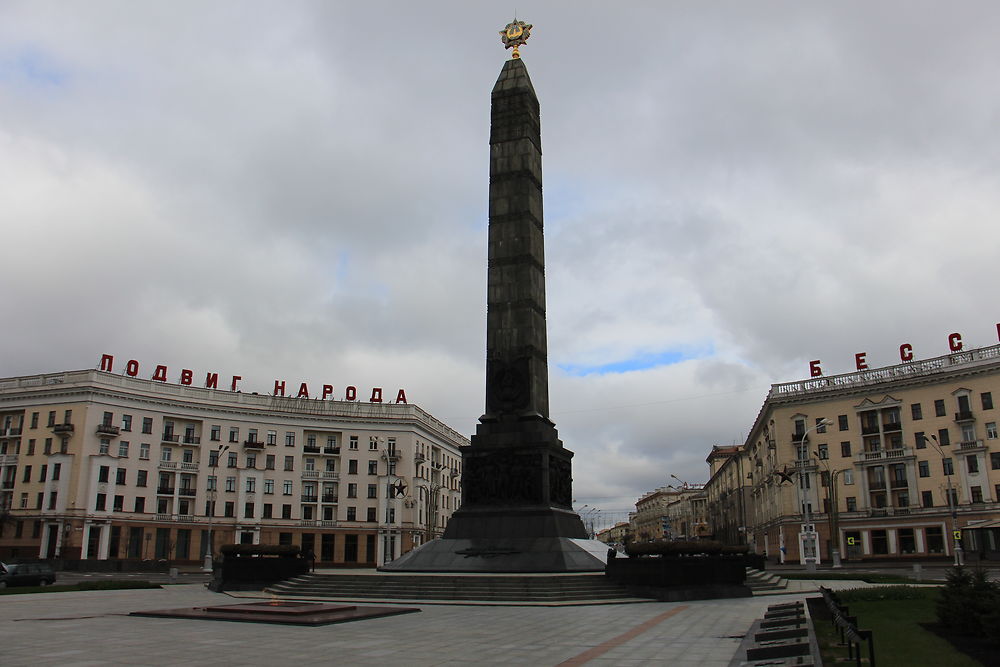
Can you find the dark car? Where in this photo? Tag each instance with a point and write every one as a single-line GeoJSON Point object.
{"type": "Point", "coordinates": [26, 574]}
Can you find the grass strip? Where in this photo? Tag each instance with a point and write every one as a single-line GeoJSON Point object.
{"type": "Point", "coordinates": [104, 585]}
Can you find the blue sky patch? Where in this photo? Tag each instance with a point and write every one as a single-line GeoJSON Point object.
{"type": "Point", "coordinates": [640, 362]}
{"type": "Point", "coordinates": [32, 66]}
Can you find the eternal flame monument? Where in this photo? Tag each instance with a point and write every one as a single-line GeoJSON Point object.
{"type": "Point", "coordinates": [516, 513]}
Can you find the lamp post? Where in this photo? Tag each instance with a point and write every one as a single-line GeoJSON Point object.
{"type": "Point", "coordinates": [210, 496]}
{"type": "Point", "coordinates": [833, 501]}
{"type": "Point", "coordinates": [807, 535]}
{"type": "Point", "coordinates": [957, 549]}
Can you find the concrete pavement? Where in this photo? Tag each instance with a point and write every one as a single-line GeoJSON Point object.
{"type": "Point", "coordinates": [93, 628]}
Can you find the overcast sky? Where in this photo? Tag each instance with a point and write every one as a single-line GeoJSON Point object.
{"type": "Point", "coordinates": [298, 190]}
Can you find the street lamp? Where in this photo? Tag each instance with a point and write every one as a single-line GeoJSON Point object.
{"type": "Point", "coordinates": [957, 550]}
{"type": "Point", "coordinates": [807, 536]}
{"type": "Point", "coordinates": [833, 502]}
{"type": "Point", "coordinates": [210, 496]}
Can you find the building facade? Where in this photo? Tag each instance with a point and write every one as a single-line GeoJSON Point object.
{"type": "Point", "coordinates": [900, 461]}
{"type": "Point", "coordinates": [97, 465]}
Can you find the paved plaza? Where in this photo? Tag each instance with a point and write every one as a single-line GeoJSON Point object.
{"type": "Point", "coordinates": [93, 628]}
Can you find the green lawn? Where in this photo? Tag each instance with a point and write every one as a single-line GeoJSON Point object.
{"type": "Point", "coordinates": [899, 639]}
{"type": "Point", "coordinates": [103, 585]}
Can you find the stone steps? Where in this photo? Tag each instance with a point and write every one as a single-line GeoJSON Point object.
{"type": "Point", "coordinates": [760, 581]}
{"type": "Point", "coordinates": [442, 588]}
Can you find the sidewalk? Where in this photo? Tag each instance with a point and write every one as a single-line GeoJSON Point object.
{"type": "Point", "coordinates": [93, 628]}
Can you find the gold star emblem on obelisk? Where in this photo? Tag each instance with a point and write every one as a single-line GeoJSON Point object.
{"type": "Point", "coordinates": [514, 35]}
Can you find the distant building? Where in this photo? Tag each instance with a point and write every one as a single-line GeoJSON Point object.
{"type": "Point", "coordinates": [669, 512]}
{"type": "Point", "coordinates": [903, 442]}
{"type": "Point", "coordinates": [95, 465]}
{"type": "Point", "coordinates": [615, 535]}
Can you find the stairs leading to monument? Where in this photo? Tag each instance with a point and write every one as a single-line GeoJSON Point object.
{"type": "Point", "coordinates": [458, 589]}
{"type": "Point", "coordinates": [764, 583]}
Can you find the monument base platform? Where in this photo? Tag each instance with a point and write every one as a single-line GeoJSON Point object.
{"type": "Point", "coordinates": [504, 555]}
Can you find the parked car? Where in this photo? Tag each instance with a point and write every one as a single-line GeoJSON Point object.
{"type": "Point", "coordinates": [26, 574]}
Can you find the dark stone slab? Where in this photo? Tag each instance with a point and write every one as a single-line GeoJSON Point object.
{"type": "Point", "coordinates": [506, 555]}
{"type": "Point", "coordinates": [280, 612]}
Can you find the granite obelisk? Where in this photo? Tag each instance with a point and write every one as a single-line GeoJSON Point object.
{"type": "Point", "coordinates": [516, 513]}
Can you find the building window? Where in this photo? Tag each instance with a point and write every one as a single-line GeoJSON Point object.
{"type": "Point", "coordinates": [248, 510]}
{"type": "Point", "coordinates": [947, 466]}
{"type": "Point", "coordinates": [352, 467]}
{"type": "Point", "coordinates": [987, 400]}
{"type": "Point", "coordinates": [120, 476]}
{"type": "Point", "coordinates": [272, 437]}
{"type": "Point", "coordinates": [880, 542]}
{"type": "Point", "coordinates": [923, 468]}
{"type": "Point", "coordinates": [310, 464]}
{"type": "Point", "coordinates": [939, 410]}
{"type": "Point", "coordinates": [144, 451]}
{"type": "Point", "coordinates": [126, 422]}
{"type": "Point", "coordinates": [229, 510]}
{"type": "Point", "coordinates": [147, 424]}
{"type": "Point", "coordinates": [211, 482]}
{"type": "Point", "coordinates": [251, 461]}
{"type": "Point", "coordinates": [52, 500]}
{"type": "Point", "coordinates": [916, 412]}
{"type": "Point", "coordinates": [372, 443]}
{"type": "Point", "coordinates": [921, 440]}
{"type": "Point", "coordinates": [102, 500]}
{"type": "Point", "coordinates": [991, 430]}
{"type": "Point", "coordinates": [56, 469]}
{"type": "Point", "coordinates": [848, 476]}
{"type": "Point", "coordinates": [269, 462]}
{"type": "Point", "coordinates": [852, 503]}
{"type": "Point", "coordinates": [252, 435]}
{"type": "Point", "coordinates": [286, 487]}
{"type": "Point", "coordinates": [230, 484]}
{"type": "Point", "coordinates": [353, 442]}
{"type": "Point", "coordinates": [352, 490]}
{"type": "Point", "coordinates": [166, 453]}
{"type": "Point", "coordinates": [352, 513]}
{"type": "Point", "coordinates": [103, 473]}
{"type": "Point", "coordinates": [926, 498]}
{"type": "Point", "coordinates": [187, 455]}
{"type": "Point", "coordinates": [289, 439]}
{"type": "Point", "coordinates": [972, 463]}
{"type": "Point", "coordinates": [995, 460]}
{"type": "Point", "coordinates": [820, 426]}
{"type": "Point", "coordinates": [935, 539]}
{"type": "Point", "coordinates": [268, 509]}
{"type": "Point", "coordinates": [907, 542]}
{"type": "Point", "coordinates": [251, 484]}
{"type": "Point", "coordinates": [845, 449]}
{"type": "Point", "coordinates": [140, 505]}
{"type": "Point", "coordinates": [331, 465]}
{"type": "Point", "coordinates": [289, 463]}
{"type": "Point", "coordinates": [269, 486]}
{"type": "Point", "coordinates": [104, 447]}
{"type": "Point", "coordinates": [123, 449]}
{"type": "Point", "coordinates": [140, 477]}
{"type": "Point", "coordinates": [213, 458]}
{"type": "Point", "coordinates": [977, 494]}
{"type": "Point", "coordinates": [842, 422]}
{"type": "Point", "coordinates": [372, 491]}
{"type": "Point", "coordinates": [371, 514]}
{"type": "Point", "coordinates": [286, 511]}
{"type": "Point", "coordinates": [944, 437]}
{"type": "Point", "coordinates": [119, 504]}
{"type": "Point", "coordinates": [34, 420]}
{"type": "Point", "coordinates": [822, 451]}
{"type": "Point", "coordinates": [373, 467]}
{"type": "Point", "coordinates": [231, 460]}
{"type": "Point", "coordinates": [234, 434]}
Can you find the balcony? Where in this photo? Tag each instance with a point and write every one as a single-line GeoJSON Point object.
{"type": "Point", "coordinates": [253, 444]}
{"type": "Point", "coordinates": [876, 485]}
{"type": "Point", "coordinates": [964, 416]}
{"type": "Point", "coordinates": [454, 472]}
{"type": "Point", "coordinates": [883, 455]}
{"type": "Point", "coordinates": [8, 459]}
{"type": "Point", "coordinates": [329, 498]}
{"type": "Point", "coordinates": [892, 426]}
{"type": "Point", "coordinates": [327, 523]}
{"type": "Point", "coordinates": [971, 445]}
{"type": "Point", "coordinates": [419, 458]}
{"type": "Point", "coordinates": [62, 429]}
{"type": "Point", "coordinates": [331, 450]}
{"type": "Point", "coordinates": [310, 499]}
{"type": "Point", "coordinates": [10, 432]}
{"type": "Point", "coordinates": [898, 484]}
{"type": "Point", "coordinates": [191, 440]}
{"type": "Point", "coordinates": [869, 429]}
{"type": "Point", "coordinates": [307, 522]}
{"type": "Point", "coordinates": [191, 467]}
{"type": "Point", "coordinates": [310, 474]}
{"type": "Point", "coordinates": [186, 492]}
{"type": "Point", "coordinates": [7, 485]}
{"type": "Point", "coordinates": [168, 465]}
{"type": "Point", "coordinates": [170, 437]}
{"type": "Point", "coordinates": [329, 474]}
{"type": "Point", "coordinates": [108, 430]}
{"type": "Point", "coordinates": [797, 437]}
{"type": "Point", "coordinates": [391, 455]}
{"type": "Point", "coordinates": [310, 449]}
{"type": "Point", "coordinates": [164, 517]}
{"type": "Point", "coordinates": [165, 490]}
